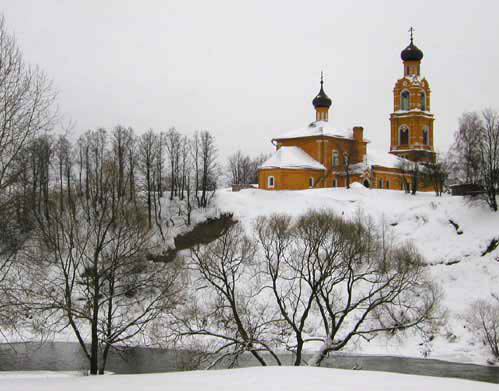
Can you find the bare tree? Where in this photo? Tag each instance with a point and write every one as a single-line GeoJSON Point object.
{"type": "Point", "coordinates": [173, 141]}
{"type": "Point", "coordinates": [26, 109]}
{"type": "Point", "coordinates": [360, 283]}
{"type": "Point", "coordinates": [410, 169]}
{"type": "Point", "coordinates": [230, 312]}
{"type": "Point", "coordinates": [464, 154]}
{"type": "Point", "coordinates": [489, 156]}
{"type": "Point", "coordinates": [483, 318]}
{"type": "Point", "coordinates": [92, 272]}
{"type": "Point", "coordinates": [437, 174]}
{"type": "Point", "coordinates": [146, 162]}
{"type": "Point", "coordinates": [204, 153]}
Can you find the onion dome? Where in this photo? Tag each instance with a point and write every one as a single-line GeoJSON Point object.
{"type": "Point", "coordinates": [322, 100]}
{"type": "Point", "coordinates": [411, 52]}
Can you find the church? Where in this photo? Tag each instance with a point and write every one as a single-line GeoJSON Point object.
{"type": "Point", "coordinates": [319, 155]}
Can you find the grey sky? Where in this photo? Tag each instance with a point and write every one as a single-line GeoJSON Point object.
{"type": "Point", "coordinates": [248, 70]}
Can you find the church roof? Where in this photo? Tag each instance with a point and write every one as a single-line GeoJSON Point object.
{"type": "Point", "coordinates": [317, 128]}
{"type": "Point", "coordinates": [292, 158]}
{"type": "Point", "coordinates": [378, 158]}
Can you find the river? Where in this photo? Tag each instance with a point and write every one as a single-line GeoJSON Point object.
{"type": "Point", "coordinates": [63, 356]}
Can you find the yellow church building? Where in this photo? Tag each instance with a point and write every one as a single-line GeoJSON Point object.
{"type": "Point", "coordinates": [320, 155]}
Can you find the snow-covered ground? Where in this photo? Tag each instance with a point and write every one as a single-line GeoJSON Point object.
{"type": "Point", "coordinates": [247, 379]}
{"type": "Point", "coordinates": [454, 260]}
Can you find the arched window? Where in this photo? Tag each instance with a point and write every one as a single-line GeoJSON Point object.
{"type": "Point", "coordinates": [404, 135]}
{"type": "Point", "coordinates": [404, 97]}
{"type": "Point", "coordinates": [311, 182]}
{"type": "Point", "coordinates": [271, 182]}
{"type": "Point", "coordinates": [426, 136]}
{"type": "Point", "coordinates": [336, 159]}
{"type": "Point", "coordinates": [423, 101]}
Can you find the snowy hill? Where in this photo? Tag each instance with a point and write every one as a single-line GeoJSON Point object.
{"type": "Point", "coordinates": [247, 379]}
{"type": "Point", "coordinates": [453, 251]}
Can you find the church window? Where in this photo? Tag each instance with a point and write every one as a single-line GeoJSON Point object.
{"type": "Point", "coordinates": [335, 182]}
{"type": "Point", "coordinates": [380, 183]}
{"type": "Point", "coordinates": [426, 136]}
{"type": "Point", "coordinates": [311, 182]}
{"type": "Point", "coordinates": [423, 101]}
{"type": "Point", "coordinates": [405, 100]}
{"type": "Point", "coordinates": [404, 135]}
{"type": "Point", "coordinates": [271, 182]}
{"type": "Point", "coordinates": [387, 184]}
{"type": "Point", "coordinates": [336, 159]}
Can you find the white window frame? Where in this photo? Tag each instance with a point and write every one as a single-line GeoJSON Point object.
{"type": "Point", "coordinates": [269, 185]}
{"type": "Point", "coordinates": [381, 183]}
{"type": "Point", "coordinates": [311, 182]}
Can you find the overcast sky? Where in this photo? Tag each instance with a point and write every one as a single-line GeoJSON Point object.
{"type": "Point", "coordinates": [248, 70]}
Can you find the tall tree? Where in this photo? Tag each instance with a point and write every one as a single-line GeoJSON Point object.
{"type": "Point", "coordinates": [489, 156]}
{"type": "Point", "coordinates": [26, 109]}
{"type": "Point", "coordinates": [91, 270]}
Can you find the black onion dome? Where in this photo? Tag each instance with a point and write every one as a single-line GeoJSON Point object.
{"type": "Point", "coordinates": [322, 100]}
{"type": "Point", "coordinates": [411, 53]}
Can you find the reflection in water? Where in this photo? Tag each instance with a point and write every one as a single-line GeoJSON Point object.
{"type": "Point", "coordinates": [62, 356]}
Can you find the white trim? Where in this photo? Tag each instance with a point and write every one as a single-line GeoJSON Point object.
{"type": "Point", "coordinates": [269, 185]}
{"type": "Point", "coordinates": [311, 182]}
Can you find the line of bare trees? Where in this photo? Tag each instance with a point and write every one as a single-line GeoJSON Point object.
{"type": "Point", "coordinates": [243, 169]}
{"type": "Point", "coordinates": [82, 222]}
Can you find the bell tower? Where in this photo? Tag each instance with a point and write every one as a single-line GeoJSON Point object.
{"type": "Point", "coordinates": [411, 119]}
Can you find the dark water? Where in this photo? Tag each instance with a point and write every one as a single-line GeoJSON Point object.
{"type": "Point", "coordinates": [60, 356]}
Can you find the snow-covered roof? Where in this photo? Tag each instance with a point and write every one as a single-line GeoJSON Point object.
{"type": "Point", "coordinates": [292, 158]}
{"type": "Point", "coordinates": [385, 159]}
{"type": "Point", "coordinates": [377, 158]}
{"type": "Point", "coordinates": [317, 128]}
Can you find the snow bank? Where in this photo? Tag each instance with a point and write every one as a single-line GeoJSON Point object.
{"type": "Point", "coordinates": [251, 379]}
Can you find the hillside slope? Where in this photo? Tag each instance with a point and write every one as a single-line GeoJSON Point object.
{"type": "Point", "coordinates": [453, 254]}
